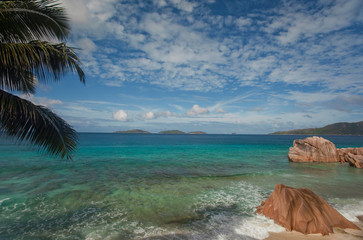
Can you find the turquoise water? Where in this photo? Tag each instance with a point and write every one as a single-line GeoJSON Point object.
{"type": "Point", "coordinates": [161, 186]}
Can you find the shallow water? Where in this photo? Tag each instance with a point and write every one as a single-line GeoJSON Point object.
{"type": "Point", "coordinates": [161, 187]}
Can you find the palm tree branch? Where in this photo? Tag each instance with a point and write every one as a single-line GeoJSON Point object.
{"type": "Point", "coordinates": [36, 124]}
{"type": "Point", "coordinates": [44, 59]}
{"type": "Point", "coordinates": [15, 79]}
{"type": "Point", "coordinates": [28, 20]}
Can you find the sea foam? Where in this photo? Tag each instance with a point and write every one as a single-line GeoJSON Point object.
{"type": "Point", "coordinates": [243, 198]}
{"type": "Point", "coordinates": [351, 209]}
{"type": "Point", "coordinates": [3, 200]}
{"type": "Point", "coordinates": [257, 227]}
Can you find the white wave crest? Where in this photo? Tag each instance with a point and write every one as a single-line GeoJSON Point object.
{"type": "Point", "coordinates": [351, 209]}
{"type": "Point", "coordinates": [257, 227]}
{"type": "Point", "coordinates": [3, 200]}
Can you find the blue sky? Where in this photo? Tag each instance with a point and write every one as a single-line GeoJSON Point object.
{"type": "Point", "coordinates": [244, 66]}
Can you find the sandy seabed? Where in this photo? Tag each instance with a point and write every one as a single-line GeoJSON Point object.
{"type": "Point", "coordinates": [339, 234]}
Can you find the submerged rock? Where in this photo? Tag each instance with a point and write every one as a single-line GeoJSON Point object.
{"type": "Point", "coordinates": [302, 210]}
{"type": "Point", "coordinates": [313, 149]}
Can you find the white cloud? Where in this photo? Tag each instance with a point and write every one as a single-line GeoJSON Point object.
{"type": "Point", "coordinates": [160, 3]}
{"type": "Point", "coordinates": [296, 21]}
{"type": "Point", "coordinates": [120, 115]}
{"type": "Point", "coordinates": [276, 115]}
{"type": "Point", "coordinates": [310, 97]}
{"type": "Point", "coordinates": [93, 18]}
{"type": "Point", "coordinates": [148, 115]}
{"type": "Point", "coordinates": [322, 100]}
{"type": "Point", "coordinates": [243, 22]}
{"type": "Point", "coordinates": [92, 102]}
{"type": "Point", "coordinates": [203, 54]}
{"type": "Point", "coordinates": [184, 5]}
{"type": "Point", "coordinates": [77, 11]}
{"type": "Point", "coordinates": [220, 110]}
{"type": "Point", "coordinates": [43, 101]}
{"type": "Point", "coordinates": [86, 45]}
{"type": "Point", "coordinates": [113, 83]}
{"type": "Point", "coordinates": [256, 109]}
{"type": "Point", "coordinates": [155, 115]}
{"type": "Point", "coordinates": [197, 110]}
{"type": "Point", "coordinates": [297, 49]}
{"type": "Point", "coordinates": [178, 107]}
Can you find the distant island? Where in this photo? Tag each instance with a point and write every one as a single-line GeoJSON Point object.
{"type": "Point", "coordinates": [139, 131]}
{"type": "Point", "coordinates": [134, 131]}
{"type": "Point", "coordinates": [197, 132]}
{"type": "Point", "coordinates": [342, 128]}
{"type": "Point", "coordinates": [180, 132]}
{"type": "Point", "coordinates": [171, 132]}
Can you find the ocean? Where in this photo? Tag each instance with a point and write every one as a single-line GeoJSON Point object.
{"type": "Point", "coordinates": [149, 186]}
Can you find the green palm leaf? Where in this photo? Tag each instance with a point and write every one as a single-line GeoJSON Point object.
{"type": "Point", "coordinates": [29, 20]}
{"type": "Point", "coordinates": [17, 79]}
{"type": "Point", "coordinates": [45, 60]}
{"type": "Point", "coordinates": [37, 124]}
{"type": "Point", "coordinates": [27, 30]}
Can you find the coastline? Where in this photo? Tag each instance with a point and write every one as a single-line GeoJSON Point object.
{"type": "Point", "coordinates": [339, 234]}
{"type": "Point", "coordinates": [163, 187]}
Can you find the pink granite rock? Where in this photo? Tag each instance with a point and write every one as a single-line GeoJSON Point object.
{"type": "Point", "coordinates": [342, 152]}
{"type": "Point", "coordinates": [302, 210]}
{"type": "Point", "coordinates": [354, 160]}
{"type": "Point", "coordinates": [313, 149]}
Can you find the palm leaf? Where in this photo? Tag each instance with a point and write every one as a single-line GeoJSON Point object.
{"type": "Point", "coordinates": [26, 27]}
{"type": "Point", "coordinates": [37, 124]}
{"type": "Point", "coordinates": [17, 79]}
{"type": "Point", "coordinates": [26, 20]}
{"type": "Point", "coordinates": [45, 60]}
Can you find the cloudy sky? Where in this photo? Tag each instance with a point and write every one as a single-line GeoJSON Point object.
{"type": "Point", "coordinates": [220, 66]}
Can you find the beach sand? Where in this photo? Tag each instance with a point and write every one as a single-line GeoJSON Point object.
{"type": "Point", "coordinates": [339, 234]}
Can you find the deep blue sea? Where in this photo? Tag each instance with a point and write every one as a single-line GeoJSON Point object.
{"type": "Point", "coordinates": [124, 186]}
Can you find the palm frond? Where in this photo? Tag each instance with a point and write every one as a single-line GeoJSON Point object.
{"type": "Point", "coordinates": [15, 79]}
{"type": "Point", "coordinates": [26, 27]}
{"type": "Point", "coordinates": [37, 124]}
{"type": "Point", "coordinates": [28, 20]}
{"type": "Point", "coordinates": [44, 59]}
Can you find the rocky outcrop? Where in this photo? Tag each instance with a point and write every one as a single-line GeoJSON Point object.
{"type": "Point", "coordinates": [302, 210]}
{"type": "Point", "coordinates": [354, 160]}
{"type": "Point", "coordinates": [342, 152]}
{"type": "Point", "coordinates": [318, 149]}
{"type": "Point", "coordinates": [313, 149]}
{"type": "Point", "coordinates": [355, 151]}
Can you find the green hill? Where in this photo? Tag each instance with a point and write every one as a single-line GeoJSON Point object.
{"type": "Point", "coordinates": [133, 131]}
{"type": "Point", "coordinates": [342, 128]}
{"type": "Point", "coordinates": [197, 132]}
{"type": "Point", "coordinates": [171, 132]}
